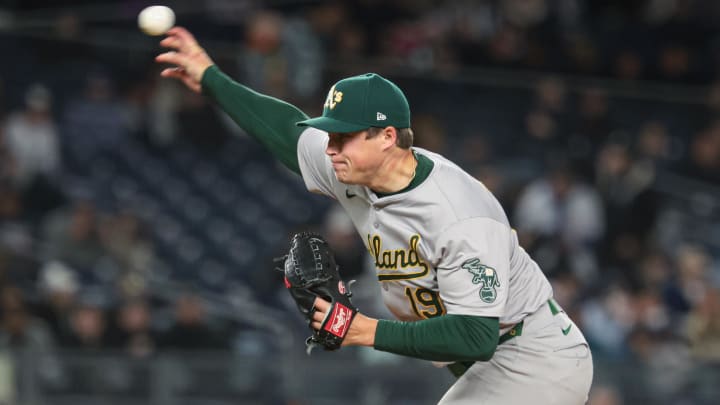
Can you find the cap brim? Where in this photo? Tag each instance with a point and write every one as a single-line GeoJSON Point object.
{"type": "Point", "coordinates": [328, 124]}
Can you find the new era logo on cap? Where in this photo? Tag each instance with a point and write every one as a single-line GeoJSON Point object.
{"type": "Point", "coordinates": [381, 117]}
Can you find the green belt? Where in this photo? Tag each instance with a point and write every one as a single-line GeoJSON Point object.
{"type": "Point", "coordinates": [515, 331]}
{"type": "Point", "coordinates": [460, 367]}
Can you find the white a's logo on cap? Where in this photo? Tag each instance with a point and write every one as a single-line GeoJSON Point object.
{"type": "Point", "coordinates": [381, 117]}
{"type": "Point", "coordinates": [333, 98]}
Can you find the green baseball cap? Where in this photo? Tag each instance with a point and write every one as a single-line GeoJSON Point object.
{"type": "Point", "coordinates": [360, 102]}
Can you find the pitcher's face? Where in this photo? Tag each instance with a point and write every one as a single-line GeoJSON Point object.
{"type": "Point", "coordinates": [354, 156]}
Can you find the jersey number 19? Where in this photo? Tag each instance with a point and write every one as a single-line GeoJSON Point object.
{"type": "Point", "coordinates": [425, 303]}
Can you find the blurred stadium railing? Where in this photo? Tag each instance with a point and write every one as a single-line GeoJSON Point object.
{"type": "Point", "coordinates": [290, 377]}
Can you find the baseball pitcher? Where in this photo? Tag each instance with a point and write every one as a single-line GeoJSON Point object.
{"type": "Point", "coordinates": [465, 294]}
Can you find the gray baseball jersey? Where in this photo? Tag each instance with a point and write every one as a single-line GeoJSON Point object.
{"type": "Point", "coordinates": [442, 247]}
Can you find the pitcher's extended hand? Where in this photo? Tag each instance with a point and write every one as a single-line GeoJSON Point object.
{"type": "Point", "coordinates": [189, 58]}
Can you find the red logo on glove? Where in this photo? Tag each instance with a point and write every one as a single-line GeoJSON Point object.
{"type": "Point", "coordinates": [339, 321]}
{"type": "Point", "coordinates": [341, 287]}
{"type": "Point", "coordinates": [287, 283]}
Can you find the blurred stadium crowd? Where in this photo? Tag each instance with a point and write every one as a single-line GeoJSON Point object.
{"type": "Point", "coordinates": [132, 211]}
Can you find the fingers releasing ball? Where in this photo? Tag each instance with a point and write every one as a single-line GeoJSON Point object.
{"type": "Point", "coordinates": [156, 20]}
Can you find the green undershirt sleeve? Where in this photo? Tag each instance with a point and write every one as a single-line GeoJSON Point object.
{"type": "Point", "coordinates": [267, 119]}
{"type": "Point", "coordinates": [444, 338]}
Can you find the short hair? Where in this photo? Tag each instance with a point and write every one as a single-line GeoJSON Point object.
{"type": "Point", "coordinates": [404, 136]}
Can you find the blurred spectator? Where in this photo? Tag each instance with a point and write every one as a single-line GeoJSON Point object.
{"type": "Point", "coordinates": [664, 364]}
{"type": "Point", "coordinates": [164, 102]}
{"type": "Point", "coordinates": [691, 280]}
{"type": "Point", "coordinates": [703, 328]}
{"type": "Point", "coordinates": [14, 231]}
{"type": "Point", "coordinates": [22, 334]}
{"type": "Point", "coordinates": [132, 331]}
{"type": "Point", "coordinates": [628, 64]}
{"type": "Point", "coordinates": [704, 155]}
{"type": "Point", "coordinates": [414, 45]}
{"type": "Point", "coordinates": [655, 273]}
{"type": "Point", "coordinates": [263, 65]}
{"type": "Point", "coordinates": [607, 321]}
{"type": "Point", "coordinates": [675, 62]}
{"type": "Point", "coordinates": [604, 395]}
{"type": "Point", "coordinates": [281, 56]}
{"type": "Point", "coordinates": [524, 13]}
{"type": "Point", "coordinates": [544, 135]}
{"type": "Point", "coordinates": [620, 179]}
{"type": "Point", "coordinates": [652, 314]}
{"type": "Point", "coordinates": [329, 18]}
{"type": "Point", "coordinates": [561, 219]}
{"type": "Point", "coordinates": [32, 140]}
{"type": "Point", "coordinates": [17, 255]}
{"type": "Point", "coordinates": [429, 133]}
{"type": "Point", "coordinates": [135, 99]}
{"type": "Point", "coordinates": [58, 286]}
{"type": "Point", "coordinates": [630, 203]}
{"type": "Point", "coordinates": [306, 58]}
{"type": "Point", "coordinates": [508, 46]}
{"type": "Point", "coordinates": [567, 291]}
{"type": "Point", "coordinates": [71, 236]}
{"type": "Point", "coordinates": [470, 25]}
{"type": "Point", "coordinates": [545, 122]}
{"type": "Point", "coordinates": [591, 127]}
{"type": "Point", "coordinates": [190, 329]}
{"type": "Point", "coordinates": [89, 326]}
{"type": "Point", "coordinates": [31, 137]}
{"type": "Point", "coordinates": [655, 145]}
{"type": "Point", "coordinates": [126, 240]}
{"type": "Point", "coordinates": [551, 95]}
{"type": "Point", "coordinates": [95, 121]}
{"type": "Point", "coordinates": [19, 328]}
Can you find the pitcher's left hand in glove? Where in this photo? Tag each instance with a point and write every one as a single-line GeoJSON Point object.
{"type": "Point", "coordinates": [311, 273]}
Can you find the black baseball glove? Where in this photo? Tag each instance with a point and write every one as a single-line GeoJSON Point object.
{"type": "Point", "coordinates": [310, 271]}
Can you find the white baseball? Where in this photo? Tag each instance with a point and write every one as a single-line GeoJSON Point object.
{"type": "Point", "coordinates": [156, 20]}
